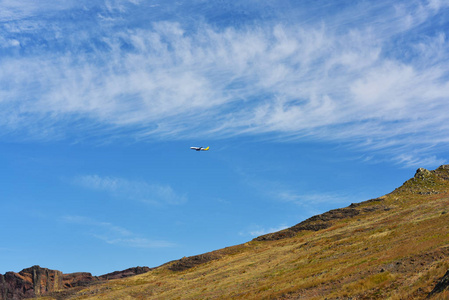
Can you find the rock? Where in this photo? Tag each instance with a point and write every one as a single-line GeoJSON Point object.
{"type": "Point", "coordinates": [279, 235]}
{"type": "Point", "coordinates": [425, 182]}
{"type": "Point", "coordinates": [442, 285]}
{"type": "Point", "coordinates": [422, 173]}
{"type": "Point", "coordinates": [37, 281]}
{"type": "Point", "coordinates": [125, 273]}
{"type": "Point", "coordinates": [315, 223]}
{"type": "Point", "coordinates": [192, 261]}
{"type": "Point", "coordinates": [442, 172]}
{"type": "Point", "coordinates": [34, 281]}
{"type": "Point", "coordinates": [78, 279]}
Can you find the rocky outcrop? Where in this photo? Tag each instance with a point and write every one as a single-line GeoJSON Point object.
{"type": "Point", "coordinates": [37, 281]}
{"type": "Point", "coordinates": [442, 172]}
{"type": "Point", "coordinates": [422, 173]}
{"type": "Point", "coordinates": [192, 261]}
{"type": "Point", "coordinates": [442, 285]}
{"type": "Point", "coordinates": [125, 273]}
{"type": "Point", "coordinates": [426, 182]}
{"type": "Point", "coordinates": [315, 223]}
{"type": "Point", "coordinates": [78, 279]}
{"type": "Point", "coordinates": [34, 281]}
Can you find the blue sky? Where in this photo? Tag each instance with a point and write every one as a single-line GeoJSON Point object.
{"type": "Point", "coordinates": [306, 107]}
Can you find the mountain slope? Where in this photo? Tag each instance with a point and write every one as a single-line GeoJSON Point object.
{"type": "Point", "coordinates": [395, 246]}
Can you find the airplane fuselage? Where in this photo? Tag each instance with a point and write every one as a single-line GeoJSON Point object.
{"type": "Point", "coordinates": [199, 148]}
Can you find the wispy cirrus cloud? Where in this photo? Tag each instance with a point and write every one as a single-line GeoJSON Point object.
{"type": "Point", "coordinates": [310, 198]}
{"type": "Point", "coordinates": [155, 194]}
{"type": "Point", "coordinates": [113, 234]}
{"type": "Point", "coordinates": [371, 83]}
{"type": "Point", "coordinates": [257, 230]}
{"type": "Point", "coordinates": [410, 160]}
{"type": "Point", "coordinates": [14, 10]}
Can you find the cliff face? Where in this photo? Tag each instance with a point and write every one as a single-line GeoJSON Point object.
{"type": "Point", "coordinates": [30, 282]}
{"type": "Point", "coordinates": [37, 281]}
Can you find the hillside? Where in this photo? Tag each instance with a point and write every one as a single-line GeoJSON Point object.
{"type": "Point", "coordinates": [392, 247]}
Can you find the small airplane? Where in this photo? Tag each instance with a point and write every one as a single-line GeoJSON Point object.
{"type": "Point", "coordinates": [199, 148]}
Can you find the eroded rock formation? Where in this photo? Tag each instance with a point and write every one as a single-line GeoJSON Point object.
{"type": "Point", "coordinates": [37, 281]}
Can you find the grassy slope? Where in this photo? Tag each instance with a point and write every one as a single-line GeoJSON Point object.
{"type": "Point", "coordinates": [397, 248]}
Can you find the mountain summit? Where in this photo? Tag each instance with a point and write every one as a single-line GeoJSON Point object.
{"type": "Point", "coordinates": [392, 247]}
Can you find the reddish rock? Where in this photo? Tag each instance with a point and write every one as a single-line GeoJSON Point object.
{"type": "Point", "coordinates": [125, 273]}
{"type": "Point", "coordinates": [78, 279]}
{"type": "Point", "coordinates": [34, 281]}
{"type": "Point", "coordinates": [37, 281]}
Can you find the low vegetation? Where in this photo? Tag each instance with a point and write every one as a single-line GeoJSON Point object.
{"type": "Point", "coordinates": [393, 247]}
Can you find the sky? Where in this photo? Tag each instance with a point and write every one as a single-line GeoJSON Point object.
{"type": "Point", "coordinates": [306, 105]}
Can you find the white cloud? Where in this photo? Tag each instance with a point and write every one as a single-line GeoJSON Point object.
{"type": "Point", "coordinates": [113, 234]}
{"type": "Point", "coordinates": [437, 4]}
{"type": "Point", "coordinates": [257, 230]}
{"type": "Point", "coordinates": [316, 80]}
{"type": "Point", "coordinates": [411, 160]}
{"type": "Point", "coordinates": [135, 242]}
{"type": "Point", "coordinates": [311, 200]}
{"type": "Point", "coordinates": [133, 190]}
{"type": "Point", "coordinates": [85, 221]}
{"type": "Point", "coordinates": [16, 10]}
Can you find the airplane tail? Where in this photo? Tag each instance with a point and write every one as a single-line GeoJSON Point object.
{"type": "Point", "coordinates": [205, 149]}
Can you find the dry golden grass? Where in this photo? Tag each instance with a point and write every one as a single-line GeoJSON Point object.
{"type": "Point", "coordinates": [396, 252]}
